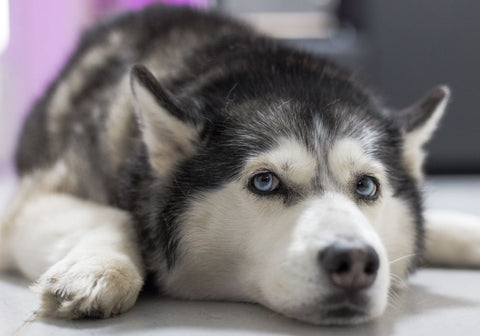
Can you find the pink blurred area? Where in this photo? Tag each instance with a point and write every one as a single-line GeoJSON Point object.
{"type": "Point", "coordinates": [136, 4]}
{"type": "Point", "coordinates": [42, 36]}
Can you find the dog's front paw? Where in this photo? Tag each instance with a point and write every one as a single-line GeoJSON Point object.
{"type": "Point", "coordinates": [89, 287]}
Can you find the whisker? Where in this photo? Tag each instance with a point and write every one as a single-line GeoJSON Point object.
{"type": "Point", "coordinates": [402, 257]}
{"type": "Point", "coordinates": [394, 302]}
{"type": "Point", "coordinates": [395, 276]}
{"type": "Point", "coordinates": [395, 298]}
{"type": "Point", "coordinates": [397, 280]}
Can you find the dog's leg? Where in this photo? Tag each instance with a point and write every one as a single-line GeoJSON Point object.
{"type": "Point", "coordinates": [452, 239]}
{"type": "Point", "coordinates": [83, 254]}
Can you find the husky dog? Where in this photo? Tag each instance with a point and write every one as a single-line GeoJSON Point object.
{"type": "Point", "coordinates": [186, 147]}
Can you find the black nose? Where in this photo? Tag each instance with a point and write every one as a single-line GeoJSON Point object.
{"type": "Point", "coordinates": [350, 264]}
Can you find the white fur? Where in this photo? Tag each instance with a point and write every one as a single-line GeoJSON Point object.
{"type": "Point", "coordinates": [347, 159]}
{"type": "Point", "coordinates": [289, 160]}
{"type": "Point", "coordinates": [83, 254]}
{"type": "Point", "coordinates": [396, 228]}
{"type": "Point", "coordinates": [242, 247]}
{"type": "Point", "coordinates": [213, 247]}
{"type": "Point", "coordinates": [452, 238]}
{"type": "Point", "coordinates": [296, 283]}
{"type": "Point", "coordinates": [414, 141]}
{"type": "Point", "coordinates": [238, 248]}
{"type": "Point", "coordinates": [390, 216]}
{"type": "Point", "coordinates": [167, 138]}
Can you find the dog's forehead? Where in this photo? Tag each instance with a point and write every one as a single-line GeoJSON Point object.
{"type": "Point", "coordinates": [343, 159]}
{"type": "Point", "coordinates": [253, 135]}
{"type": "Point", "coordinates": [307, 146]}
{"type": "Point", "coordinates": [317, 127]}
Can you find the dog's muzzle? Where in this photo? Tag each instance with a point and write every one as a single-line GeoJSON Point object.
{"type": "Point", "coordinates": [333, 268]}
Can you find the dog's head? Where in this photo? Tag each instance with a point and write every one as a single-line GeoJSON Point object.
{"type": "Point", "coordinates": [294, 189]}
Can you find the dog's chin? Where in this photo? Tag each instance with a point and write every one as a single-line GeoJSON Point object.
{"type": "Point", "coordinates": [337, 316]}
{"type": "Point", "coordinates": [339, 313]}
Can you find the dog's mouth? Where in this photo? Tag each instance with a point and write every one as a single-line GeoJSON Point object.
{"type": "Point", "coordinates": [345, 313]}
{"type": "Point", "coordinates": [346, 308]}
{"type": "Point", "coordinates": [340, 310]}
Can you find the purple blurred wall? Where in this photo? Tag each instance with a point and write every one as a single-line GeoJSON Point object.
{"type": "Point", "coordinates": [135, 4]}
{"type": "Point", "coordinates": [42, 35]}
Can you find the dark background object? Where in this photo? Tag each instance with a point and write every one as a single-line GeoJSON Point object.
{"type": "Point", "coordinates": [415, 45]}
{"type": "Point", "coordinates": [402, 49]}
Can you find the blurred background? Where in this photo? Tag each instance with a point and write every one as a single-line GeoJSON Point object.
{"type": "Point", "coordinates": [399, 48]}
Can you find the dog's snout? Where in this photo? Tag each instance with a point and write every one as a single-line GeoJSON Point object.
{"type": "Point", "coordinates": [350, 264]}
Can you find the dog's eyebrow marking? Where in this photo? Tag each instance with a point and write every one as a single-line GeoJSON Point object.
{"type": "Point", "coordinates": [347, 157]}
{"type": "Point", "coordinates": [289, 159]}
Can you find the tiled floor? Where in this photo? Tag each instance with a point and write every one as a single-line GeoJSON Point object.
{"type": "Point", "coordinates": [437, 302]}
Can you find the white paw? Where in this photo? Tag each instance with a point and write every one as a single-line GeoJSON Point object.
{"type": "Point", "coordinates": [97, 287]}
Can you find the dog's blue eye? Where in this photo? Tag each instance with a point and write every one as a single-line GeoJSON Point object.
{"type": "Point", "coordinates": [367, 187]}
{"type": "Point", "coordinates": [265, 182]}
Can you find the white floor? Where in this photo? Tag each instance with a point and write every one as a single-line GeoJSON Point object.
{"type": "Point", "coordinates": [437, 302]}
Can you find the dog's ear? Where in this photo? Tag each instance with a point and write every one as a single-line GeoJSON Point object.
{"type": "Point", "coordinates": [419, 122]}
{"type": "Point", "coordinates": [169, 129]}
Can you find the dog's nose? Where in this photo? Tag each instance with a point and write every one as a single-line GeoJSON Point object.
{"type": "Point", "coordinates": [350, 264]}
